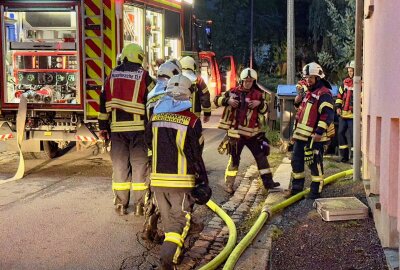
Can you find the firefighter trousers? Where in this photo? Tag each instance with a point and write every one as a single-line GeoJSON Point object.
{"type": "Point", "coordinates": [255, 147]}
{"type": "Point", "coordinates": [175, 209]}
{"type": "Point", "coordinates": [345, 135]}
{"type": "Point", "coordinates": [316, 167]}
{"type": "Point", "coordinates": [130, 162]}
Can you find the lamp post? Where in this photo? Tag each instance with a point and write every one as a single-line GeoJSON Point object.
{"type": "Point", "coordinates": [290, 42]}
{"type": "Point", "coordinates": [251, 32]}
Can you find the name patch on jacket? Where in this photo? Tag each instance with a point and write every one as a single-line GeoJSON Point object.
{"type": "Point", "coordinates": [128, 75]}
{"type": "Point", "coordinates": [171, 117]}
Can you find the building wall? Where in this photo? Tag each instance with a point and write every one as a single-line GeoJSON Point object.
{"type": "Point", "coordinates": [381, 113]}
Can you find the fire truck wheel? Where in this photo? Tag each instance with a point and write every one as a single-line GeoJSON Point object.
{"type": "Point", "coordinates": [50, 150]}
{"type": "Point", "coordinates": [29, 155]}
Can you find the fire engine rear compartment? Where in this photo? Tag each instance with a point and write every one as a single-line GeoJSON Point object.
{"type": "Point", "coordinates": [41, 49]}
{"type": "Point", "coordinates": [41, 52]}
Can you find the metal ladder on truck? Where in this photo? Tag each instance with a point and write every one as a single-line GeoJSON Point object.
{"type": "Point", "coordinates": [93, 56]}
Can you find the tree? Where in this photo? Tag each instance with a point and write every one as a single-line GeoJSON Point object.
{"type": "Point", "coordinates": [338, 42]}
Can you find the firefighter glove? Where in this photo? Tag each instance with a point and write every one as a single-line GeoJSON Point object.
{"type": "Point", "coordinates": [201, 193]}
{"type": "Point", "coordinates": [309, 154]}
{"type": "Point", "coordinates": [223, 147]}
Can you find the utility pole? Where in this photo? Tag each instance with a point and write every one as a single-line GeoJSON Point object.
{"type": "Point", "coordinates": [357, 90]}
{"type": "Point", "coordinates": [290, 76]}
{"type": "Point", "coordinates": [251, 32]}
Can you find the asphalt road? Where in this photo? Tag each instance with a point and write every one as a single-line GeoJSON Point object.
{"type": "Point", "coordinates": [61, 214]}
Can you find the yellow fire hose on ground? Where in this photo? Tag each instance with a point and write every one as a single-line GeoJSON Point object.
{"type": "Point", "coordinates": [21, 118]}
{"type": "Point", "coordinates": [221, 257]}
{"type": "Point", "coordinates": [265, 214]}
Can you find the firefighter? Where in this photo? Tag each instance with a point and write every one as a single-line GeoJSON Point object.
{"type": "Point", "coordinates": [201, 96]}
{"type": "Point", "coordinates": [178, 177]}
{"type": "Point", "coordinates": [241, 120]}
{"type": "Point", "coordinates": [344, 110]}
{"type": "Point", "coordinates": [314, 121]}
{"type": "Point", "coordinates": [164, 73]}
{"type": "Point", "coordinates": [122, 120]}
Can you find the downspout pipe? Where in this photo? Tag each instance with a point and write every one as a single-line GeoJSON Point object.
{"type": "Point", "coordinates": [221, 257]}
{"type": "Point", "coordinates": [266, 213]}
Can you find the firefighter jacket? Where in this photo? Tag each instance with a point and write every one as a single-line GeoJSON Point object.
{"type": "Point", "coordinates": [344, 99]}
{"type": "Point", "coordinates": [241, 121]}
{"type": "Point", "coordinates": [315, 114]}
{"type": "Point", "coordinates": [201, 96]}
{"type": "Point", "coordinates": [175, 140]}
{"type": "Point", "coordinates": [123, 99]}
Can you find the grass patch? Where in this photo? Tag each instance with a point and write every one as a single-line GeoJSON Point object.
{"type": "Point", "coordinates": [351, 224]}
{"type": "Point", "coordinates": [276, 233]}
{"type": "Point", "coordinates": [245, 226]}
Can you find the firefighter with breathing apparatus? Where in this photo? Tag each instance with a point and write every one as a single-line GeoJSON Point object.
{"type": "Point", "coordinates": [201, 96]}
{"type": "Point", "coordinates": [164, 73]}
{"type": "Point", "coordinates": [178, 178]}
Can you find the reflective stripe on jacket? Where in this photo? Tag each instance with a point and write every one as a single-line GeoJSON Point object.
{"type": "Point", "coordinates": [344, 99]}
{"type": "Point", "coordinates": [175, 140]}
{"type": "Point", "coordinates": [315, 114]}
{"type": "Point", "coordinates": [122, 101]}
{"type": "Point", "coordinates": [241, 120]}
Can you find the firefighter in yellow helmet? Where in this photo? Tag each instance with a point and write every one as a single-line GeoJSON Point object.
{"type": "Point", "coordinates": [241, 120]}
{"type": "Point", "coordinates": [201, 96]}
{"type": "Point", "coordinates": [122, 120]}
{"type": "Point", "coordinates": [314, 116]}
{"type": "Point", "coordinates": [344, 109]}
{"type": "Point", "coordinates": [178, 177]}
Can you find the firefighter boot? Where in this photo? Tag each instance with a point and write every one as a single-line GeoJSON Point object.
{"type": "Point", "coordinates": [268, 182]}
{"type": "Point", "coordinates": [314, 191]}
{"type": "Point", "coordinates": [150, 232]}
{"type": "Point", "coordinates": [229, 181]}
{"type": "Point", "coordinates": [297, 186]}
{"type": "Point", "coordinates": [139, 209]}
{"type": "Point", "coordinates": [345, 155]}
{"type": "Point", "coordinates": [121, 209]}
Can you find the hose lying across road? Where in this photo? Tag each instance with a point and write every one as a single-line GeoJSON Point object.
{"type": "Point", "coordinates": [255, 229]}
{"type": "Point", "coordinates": [21, 118]}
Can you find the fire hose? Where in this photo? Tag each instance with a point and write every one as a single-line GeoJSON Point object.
{"type": "Point", "coordinates": [21, 118]}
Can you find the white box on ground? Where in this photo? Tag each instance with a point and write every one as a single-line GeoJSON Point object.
{"type": "Point", "coordinates": [341, 208]}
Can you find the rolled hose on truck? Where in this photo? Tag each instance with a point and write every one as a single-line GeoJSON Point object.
{"type": "Point", "coordinates": [233, 253]}
{"type": "Point", "coordinates": [21, 118]}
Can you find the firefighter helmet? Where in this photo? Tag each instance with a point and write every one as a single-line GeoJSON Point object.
{"type": "Point", "coordinates": [168, 69]}
{"type": "Point", "coordinates": [248, 72]}
{"type": "Point", "coordinates": [313, 69]}
{"type": "Point", "coordinates": [178, 87]}
{"type": "Point", "coordinates": [201, 193]}
{"type": "Point", "coordinates": [176, 63]}
{"type": "Point", "coordinates": [188, 62]}
{"type": "Point", "coordinates": [133, 53]}
{"type": "Point", "coordinates": [351, 64]}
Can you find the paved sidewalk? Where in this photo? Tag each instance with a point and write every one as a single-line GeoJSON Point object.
{"type": "Point", "coordinates": [248, 196]}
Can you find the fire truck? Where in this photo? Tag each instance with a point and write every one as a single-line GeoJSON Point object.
{"type": "Point", "coordinates": [57, 54]}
